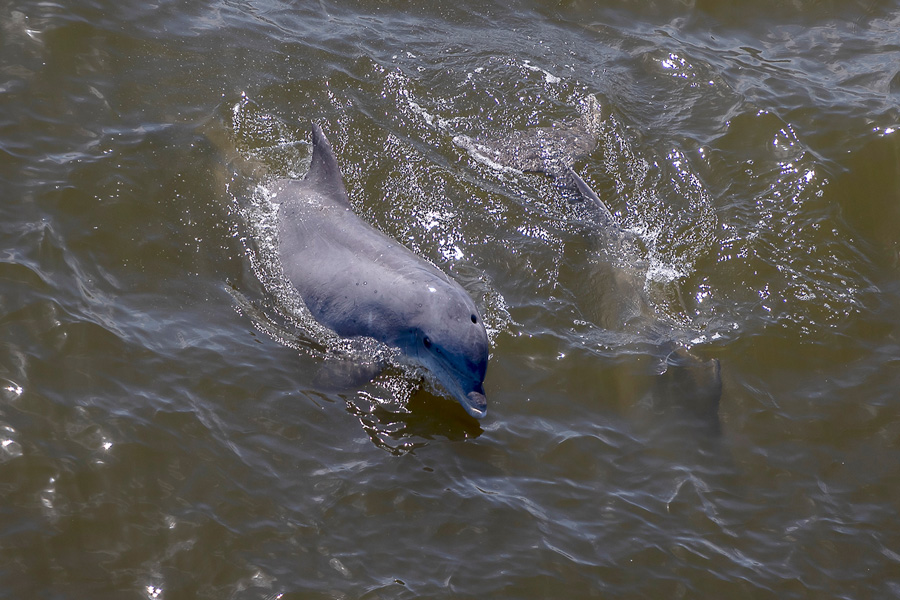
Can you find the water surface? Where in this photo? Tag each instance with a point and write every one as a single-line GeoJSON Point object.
{"type": "Point", "coordinates": [168, 423]}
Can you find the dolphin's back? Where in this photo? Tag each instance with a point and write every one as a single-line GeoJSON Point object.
{"type": "Point", "coordinates": [353, 278]}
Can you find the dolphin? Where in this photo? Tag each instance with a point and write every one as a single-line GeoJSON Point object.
{"type": "Point", "coordinates": [685, 380]}
{"type": "Point", "coordinates": [360, 283]}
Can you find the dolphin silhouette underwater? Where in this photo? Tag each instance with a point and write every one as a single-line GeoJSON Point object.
{"type": "Point", "coordinates": [686, 380]}
{"type": "Point", "coordinates": [358, 282]}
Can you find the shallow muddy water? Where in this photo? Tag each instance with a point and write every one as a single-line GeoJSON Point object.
{"type": "Point", "coordinates": [172, 425]}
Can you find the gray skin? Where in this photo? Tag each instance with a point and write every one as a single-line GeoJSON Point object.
{"type": "Point", "coordinates": [360, 283]}
{"type": "Point", "coordinates": [689, 381]}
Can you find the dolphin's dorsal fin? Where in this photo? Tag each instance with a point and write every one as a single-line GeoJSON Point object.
{"type": "Point", "coordinates": [324, 172]}
{"type": "Point", "coordinates": [585, 190]}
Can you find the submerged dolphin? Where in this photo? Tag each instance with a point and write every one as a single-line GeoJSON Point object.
{"type": "Point", "coordinates": [360, 283]}
{"type": "Point", "coordinates": [686, 380]}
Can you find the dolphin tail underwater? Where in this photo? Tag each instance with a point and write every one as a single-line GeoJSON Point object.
{"type": "Point", "coordinates": [685, 379]}
{"type": "Point", "coordinates": [360, 283]}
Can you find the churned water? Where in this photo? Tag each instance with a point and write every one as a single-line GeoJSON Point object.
{"type": "Point", "coordinates": [173, 425]}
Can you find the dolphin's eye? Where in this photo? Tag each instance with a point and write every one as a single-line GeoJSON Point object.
{"type": "Point", "coordinates": [474, 319]}
{"type": "Point", "coordinates": [427, 342]}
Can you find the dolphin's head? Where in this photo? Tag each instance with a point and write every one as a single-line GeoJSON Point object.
{"type": "Point", "coordinates": [452, 344]}
{"type": "Point", "coordinates": [694, 384]}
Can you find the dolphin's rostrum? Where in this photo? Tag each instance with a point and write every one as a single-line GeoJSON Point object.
{"type": "Point", "coordinates": [360, 283]}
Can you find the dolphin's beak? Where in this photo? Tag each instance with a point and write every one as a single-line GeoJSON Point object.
{"type": "Point", "coordinates": [475, 403]}
{"type": "Point", "coordinates": [457, 383]}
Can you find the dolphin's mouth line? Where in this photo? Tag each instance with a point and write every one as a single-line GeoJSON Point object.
{"type": "Point", "coordinates": [449, 377]}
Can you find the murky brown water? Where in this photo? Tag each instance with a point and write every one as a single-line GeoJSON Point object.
{"type": "Point", "coordinates": [171, 425]}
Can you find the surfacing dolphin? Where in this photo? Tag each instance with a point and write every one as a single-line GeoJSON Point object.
{"type": "Point", "coordinates": [686, 380]}
{"type": "Point", "coordinates": [360, 283]}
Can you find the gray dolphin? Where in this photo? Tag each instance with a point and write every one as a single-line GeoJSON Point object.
{"type": "Point", "coordinates": [360, 283]}
{"type": "Point", "coordinates": [687, 380]}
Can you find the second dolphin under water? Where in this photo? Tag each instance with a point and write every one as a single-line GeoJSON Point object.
{"type": "Point", "coordinates": [360, 283]}
{"type": "Point", "coordinates": [688, 381]}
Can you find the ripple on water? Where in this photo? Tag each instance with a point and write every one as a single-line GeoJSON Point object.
{"type": "Point", "coordinates": [162, 429]}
